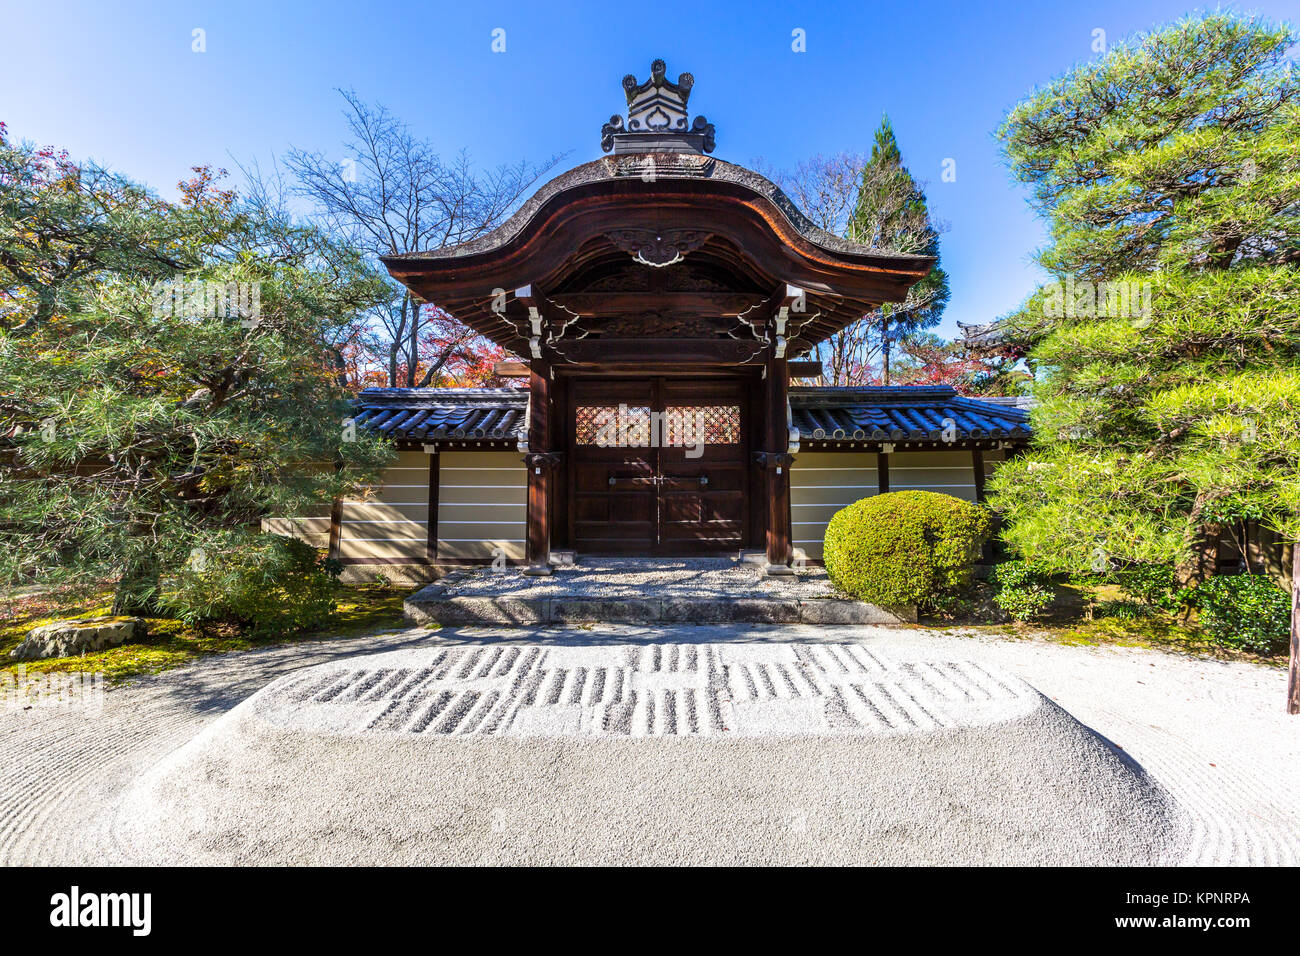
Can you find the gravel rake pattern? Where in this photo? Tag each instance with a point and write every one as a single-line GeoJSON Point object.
{"type": "Point", "coordinates": [1211, 732]}
{"type": "Point", "coordinates": [658, 690]}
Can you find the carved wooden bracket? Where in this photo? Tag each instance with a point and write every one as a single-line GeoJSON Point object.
{"type": "Point", "coordinates": [658, 249]}
{"type": "Point", "coordinates": [535, 321]}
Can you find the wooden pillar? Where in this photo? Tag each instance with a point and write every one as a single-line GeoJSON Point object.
{"type": "Point", "coordinates": [977, 462]}
{"type": "Point", "coordinates": [540, 461]}
{"type": "Point", "coordinates": [336, 529]}
{"type": "Point", "coordinates": [431, 525]}
{"type": "Point", "coordinates": [776, 459]}
{"type": "Point", "coordinates": [882, 470]}
{"type": "Point", "coordinates": [336, 523]}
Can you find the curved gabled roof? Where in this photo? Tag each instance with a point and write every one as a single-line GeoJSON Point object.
{"type": "Point", "coordinates": [739, 223]}
{"type": "Point", "coordinates": [667, 167]}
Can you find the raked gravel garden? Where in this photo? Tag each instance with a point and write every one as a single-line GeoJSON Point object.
{"type": "Point", "coordinates": [957, 748]}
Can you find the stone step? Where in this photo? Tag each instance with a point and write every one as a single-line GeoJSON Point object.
{"type": "Point", "coordinates": [435, 605]}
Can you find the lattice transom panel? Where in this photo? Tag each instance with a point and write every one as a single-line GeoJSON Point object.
{"type": "Point", "coordinates": [711, 424]}
{"type": "Point", "coordinates": [612, 425]}
{"type": "Point", "coordinates": [638, 427]}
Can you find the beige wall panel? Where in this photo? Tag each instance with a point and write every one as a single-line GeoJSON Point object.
{"type": "Point", "coordinates": [957, 458]}
{"type": "Point", "coordinates": [821, 483]}
{"type": "Point", "coordinates": [356, 548]}
{"type": "Point", "coordinates": [406, 531]}
{"type": "Point", "coordinates": [394, 512]}
{"type": "Point", "coordinates": [838, 496]}
{"type": "Point", "coordinates": [803, 514]}
{"type": "Point", "coordinates": [943, 472]}
{"type": "Point", "coordinates": [475, 531]}
{"type": "Point", "coordinates": [383, 511]}
{"type": "Point", "coordinates": [482, 505]}
{"type": "Point", "coordinates": [483, 495]}
{"type": "Point", "coordinates": [314, 530]}
{"type": "Point", "coordinates": [463, 550]}
{"type": "Point", "coordinates": [410, 459]}
{"type": "Point", "coordinates": [412, 493]}
{"type": "Point", "coordinates": [484, 511]}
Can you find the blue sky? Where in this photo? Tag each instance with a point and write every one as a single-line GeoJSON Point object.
{"type": "Point", "coordinates": [119, 82]}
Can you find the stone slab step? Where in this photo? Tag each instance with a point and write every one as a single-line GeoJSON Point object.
{"type": "Point", "coordinates": [432, 605]}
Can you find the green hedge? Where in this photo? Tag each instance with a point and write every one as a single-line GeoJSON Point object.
{"type": "Point", "coordinates": [904, 547]}
{"type": "Point", "coordinates": [1245, 611]}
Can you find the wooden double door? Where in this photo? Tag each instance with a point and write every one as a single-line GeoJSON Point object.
{"type": "Point", "coordinates": [657, 466]}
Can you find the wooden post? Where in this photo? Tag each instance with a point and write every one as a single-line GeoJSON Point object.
{"type": "Point", "coordinates": [1293, 676]}
{"type": "Point", "coordinates": [336, 522]}
{"type": "Point", "coordinates": [540, 461]}
{"type": "Point", "coordinates": [336, 528]}
{"type": "Point", "coordinates": [776, 460]}
{"type": "Point", "coordinates": [977, 461]}
{"type": "Point", "coordinates": [431, 525]}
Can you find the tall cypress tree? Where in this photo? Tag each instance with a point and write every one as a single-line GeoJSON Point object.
{"type": "Point", "coordinates": [892, 215]}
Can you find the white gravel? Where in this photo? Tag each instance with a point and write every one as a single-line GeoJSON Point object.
{"type": "Point", "coordinates": [613, 578]}
{"type": "Point", "coordinates": [1214, 777]}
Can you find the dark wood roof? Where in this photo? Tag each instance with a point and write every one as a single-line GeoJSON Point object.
{"type": "Point", "coordinates": [597, 245]}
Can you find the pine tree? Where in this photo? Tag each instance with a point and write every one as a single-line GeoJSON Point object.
{"type": "Point", "coordinates": [1169, 344]}
{"type": "Point", "coordinates": [892, 214]}
{"type": "Point", "coordinates": [160, 404]}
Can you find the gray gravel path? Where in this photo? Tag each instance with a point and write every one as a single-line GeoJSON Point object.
{"type": "Point", "coordinates": [1211, 734]}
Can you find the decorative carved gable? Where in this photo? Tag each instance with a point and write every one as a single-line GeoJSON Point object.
{"type": "Point", "coordinates": [657, 120]}
{"type": "Point", "coordinates": [657, 104]}
{"type": "Point", "coordinates": [660, 325]}
{"type": "Point", "coordinates": [655, 248]}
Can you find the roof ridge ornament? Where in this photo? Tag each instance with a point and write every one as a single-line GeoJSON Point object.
{"type": "Point", "coordinates": [657, 117]}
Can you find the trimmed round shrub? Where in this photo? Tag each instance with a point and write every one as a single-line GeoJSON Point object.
{"type": "Point", "coordinates": [904, 547]}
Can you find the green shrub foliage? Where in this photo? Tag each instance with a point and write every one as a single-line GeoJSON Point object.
{"type": "Point", "coordinates": [1246, 611]}
{"type": "Point", "coordinates": [1165, 168]}
{"type": "Point", "coordinates": [904, 547]}
{"type": "Point", "coordinates": [1023, 590]}
{"type": "Point", "coordinates": [1154, 585]}
{"type": "Point", "coordinates": [169, 373]}
{"type": "Point", "coordinates": [272, 585]}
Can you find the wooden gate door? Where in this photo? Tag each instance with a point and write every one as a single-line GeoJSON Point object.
{"type": "Point", "coordinates": [658, 466]}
